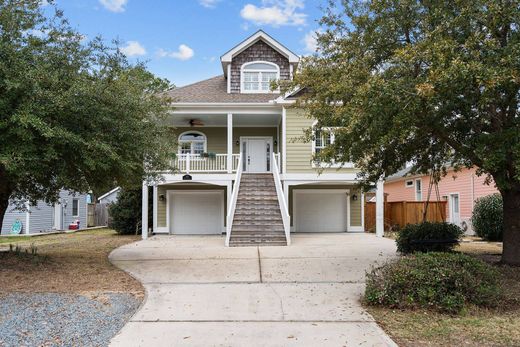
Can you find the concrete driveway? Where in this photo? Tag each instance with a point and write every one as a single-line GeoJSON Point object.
{"type": "Point", "coordinates": [200, 293]}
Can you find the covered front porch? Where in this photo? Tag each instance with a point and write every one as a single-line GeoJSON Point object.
{"type": "Point", "coordinates": [215, 143]}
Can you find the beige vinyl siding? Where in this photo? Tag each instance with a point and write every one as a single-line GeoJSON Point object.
{"type": "Point", "coordinates": [217, 136]}
{"type": "Point", "coordinates": [355, 209]}
{"type": "Point", "coordinates": [161, 190]}
{"type": "Point", "coordinates": [299, 152]}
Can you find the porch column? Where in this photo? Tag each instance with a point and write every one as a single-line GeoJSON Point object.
{"type": "Point", "coordinates": [155, 196]}
{"type": "Point", "coordinates": [284, 140]}
{"type": "Point", "coordinates": [380, 209]}
{"type": "Point", "coordinates": [229, 142]}
{"type": "Point", "coordinates": [144, 212]}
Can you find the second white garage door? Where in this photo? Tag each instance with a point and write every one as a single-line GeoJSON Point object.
{"type": "Point", "coordinates": [196, 212]}
{"type": "Point", "coordinates": [320, 210]}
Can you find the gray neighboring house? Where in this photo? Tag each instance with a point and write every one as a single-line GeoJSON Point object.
{"type": "Point", "coordinates": [110, 196]}
{"type": "Point", "coordinates": [44, 217]}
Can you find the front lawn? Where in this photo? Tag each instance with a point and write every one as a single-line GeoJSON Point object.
{"type": "Point", "coordinates": [61, 289]}
{"type": "Point", "coordinates": [474, 327]}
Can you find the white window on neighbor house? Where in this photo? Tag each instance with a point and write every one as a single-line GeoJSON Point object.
{"type": "Point", "coordinates": [418, 190]}
{"type": "Point", "coordinates": [408, 184]}
{"type": "Point", "coordinates": [75, 207]}
{"type": "Point", "coordinates": [256, 77]}
{"type": "Point", "coordinates": [192, 142]}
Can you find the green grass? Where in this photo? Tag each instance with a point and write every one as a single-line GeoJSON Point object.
{"type": "Point", "coordinates": [14, 239]}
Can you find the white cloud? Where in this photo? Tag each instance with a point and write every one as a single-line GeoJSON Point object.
{"type": "Point", "coordinates": [184, 53]}
{"type": "Point", "coordinates": [133, 48]}
{"type": "Point", "coordinates": [208, 3]}
{"type": "Point", "coordinates": [310, 41]}
{"type": "Point", "coordinates": [114, 5]}
{"type": "Point", "coordinates": [275, 12]}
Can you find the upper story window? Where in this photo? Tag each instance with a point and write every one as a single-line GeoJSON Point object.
{"type": "Point", "coordinates": [192, 142]}
{"type": "Point", "coordinates": [322, 139]}
{"type": "Point", "coordinates": [256, 77]}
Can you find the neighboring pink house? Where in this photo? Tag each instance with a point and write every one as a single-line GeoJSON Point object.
{"type": "Point", "coordinates": [460, 189]}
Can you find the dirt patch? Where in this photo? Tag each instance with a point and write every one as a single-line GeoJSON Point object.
{"type": "Point", "coordinates": [475, 327]}
{"type": "Point", "coordinates": [67, 263]}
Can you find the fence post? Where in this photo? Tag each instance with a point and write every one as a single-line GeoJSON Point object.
{"type": "Point", "coordinates": [187, 163]}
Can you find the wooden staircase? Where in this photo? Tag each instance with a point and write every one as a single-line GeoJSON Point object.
{"type": "Point", "coordinates": [257, 220]}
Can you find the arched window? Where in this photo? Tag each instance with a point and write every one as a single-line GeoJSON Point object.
{"type": "Point", "coordinates": [192, 142]}
{"type": "Point", "coordinates": [256, 76]}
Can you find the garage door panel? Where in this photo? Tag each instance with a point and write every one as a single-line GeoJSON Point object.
{"type": "Point", "coordinates": [196, 212]}
{"type": "Point", "coordinates": [320, 211]}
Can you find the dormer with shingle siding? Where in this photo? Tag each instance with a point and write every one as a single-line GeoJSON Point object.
{"type": "Point", "coordinates": [250, 66]}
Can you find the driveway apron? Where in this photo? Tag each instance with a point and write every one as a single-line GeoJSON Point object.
{"type": "Point", "coordinates": [200, 293]}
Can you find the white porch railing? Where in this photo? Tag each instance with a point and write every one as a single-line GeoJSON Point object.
{"type": "Point", "coordinates": [233, 201]}
{"type": "Point", "coordinates": [277, 160]}
{"type": "Point", "coordinates": [286, 218]}
{"type": "Point", "coordinates": [186, 163]}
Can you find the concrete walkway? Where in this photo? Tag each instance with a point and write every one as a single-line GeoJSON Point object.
{"type": "Point", "coordinates": [200, 293]}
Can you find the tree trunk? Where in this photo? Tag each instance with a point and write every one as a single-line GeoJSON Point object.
{"type": "Point", "coordinates": [511, 252]}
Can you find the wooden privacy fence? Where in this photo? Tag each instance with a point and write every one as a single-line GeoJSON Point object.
{"type": "Point", "coordinates": [101, 215]}
{"type": "Point", "coordinates": [400, 213]}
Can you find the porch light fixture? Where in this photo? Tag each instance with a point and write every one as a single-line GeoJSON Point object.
{"type": "Point", "coordinates": [162, 197]}
{"type": "Point", "coordinates": [275, 143]}
{"type": "Point", "coordinates": [354, 197]}
{"type": "Point", "coordinates": [237, 142]}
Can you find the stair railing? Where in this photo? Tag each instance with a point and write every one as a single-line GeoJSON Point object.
{"type": "Point", "coordinates": [281, 200]}
{"type": "Point", "coordinates": [233, 200]}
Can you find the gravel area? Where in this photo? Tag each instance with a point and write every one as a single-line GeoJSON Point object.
{"type": "Point", "coordinates": [56, 319]}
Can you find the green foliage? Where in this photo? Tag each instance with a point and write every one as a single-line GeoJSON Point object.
{"type": "Point", "coordinates": [73, 114]}
{"type": "Point", "coordinates": [445, 282]}
{"type": "Point", "coordinates": [422, 237]}
{"type": "Point", "coordinates": [125, 213]}
{"type": "Point", "coordinates": [488, 217]}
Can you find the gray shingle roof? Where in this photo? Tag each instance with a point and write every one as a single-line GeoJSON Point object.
{"type": "Point", "coordinates": [214, 90]}
{"type": "Point", "coordinates": [399, 174]}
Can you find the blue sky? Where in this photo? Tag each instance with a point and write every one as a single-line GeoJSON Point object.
{"type": "Point", "coordinates": [182, 40]}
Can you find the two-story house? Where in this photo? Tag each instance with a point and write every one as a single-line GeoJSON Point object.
{"type": "Point", "coordinates": [243, 168]}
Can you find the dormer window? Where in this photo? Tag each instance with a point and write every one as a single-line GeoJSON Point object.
{"type": "Point", "coordinates": [256, 77]}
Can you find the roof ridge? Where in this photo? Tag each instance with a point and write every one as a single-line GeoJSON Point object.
{"type": "Point", "coordinates": [194, 83]}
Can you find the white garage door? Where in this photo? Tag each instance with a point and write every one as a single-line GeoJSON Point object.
{"type": "Point", "coordinates": [320, 210]}
{"type": "Point", "coordinates": [196, 212]}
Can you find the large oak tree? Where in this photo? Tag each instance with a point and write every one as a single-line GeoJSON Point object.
{"type": "Point", "coordinates": [432, 83]}
{"type": "Point", "coordinates": [73, 114]}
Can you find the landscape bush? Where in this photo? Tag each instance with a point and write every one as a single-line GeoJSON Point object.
{"type": "Point", "coordinates": [125, 213]}
{"type": "Point", "coordinates": [428, 237]}
{"type": "Point", "coordinates": [487, 217]}
{"type": "Point", "coordinates": [443, 282]}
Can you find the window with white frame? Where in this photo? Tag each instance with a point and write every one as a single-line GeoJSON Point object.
{"type": "Point", "coordinates": [256, 77]}
{"type": "Point", "coordinates": [192, 142]}
{"type": "Point", "coordinates": [418, 190]}
{"type": "Point", "coordinates": [75, 207]}
{"type": "Point", "coordinates": [408, 184]}
{"type": "Point", "coordinates": [322, 139]}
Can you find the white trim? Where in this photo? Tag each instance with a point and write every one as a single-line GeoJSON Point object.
{"type": "Point", "coordinates": [110, 192]}
{"type": "Point", "coordinates": [269, 140]}
{"type": "Point", "coordinates": [229, 78]}
{"type": "Point", "coordinates": [28, 219]}
{"type": "Point", "coordinates": [155, 208]}
{"type": "Point", "coordinates": [350, 177]}
{"type": "Point", "coordinates": [409, 186]}
{"type": "Point", "coordinates": [260, 72]}
{"type": "Point", "coordinates": [191, 192]}
{"type": "Point", "coordinates": [284, 140]}
{"type": "Point", "coordinates": [72, 208]}
{"type": "Point", "coordinates": [228, 56]}
{"type": "Point", "coordinates": [144, 211]}
{"type": "Point", "coordinates": [380, 208]}
{"type": "Point", "coordinates": [229, 142]}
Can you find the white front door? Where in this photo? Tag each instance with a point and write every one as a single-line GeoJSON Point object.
{"type": "Point", "coordinates": [455, 209]}
{"type": "Point", "coordinates": [257, 154]}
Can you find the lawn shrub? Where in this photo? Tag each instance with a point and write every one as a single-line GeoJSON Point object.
{"type": "Point", "coordinates": [444, 282]}
{"type": "Point", "coordinates": [487, 218]}
{"type": "Point", "coordinates": [428, 237]}
{"type": "Point", "coordinates": [125, 213]}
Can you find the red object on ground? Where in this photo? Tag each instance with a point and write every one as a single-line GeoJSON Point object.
{"type": "Point", "coordinates": [73, 226]}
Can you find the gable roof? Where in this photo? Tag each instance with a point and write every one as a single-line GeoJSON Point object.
{"type": "Point", "coordinates": [116, 189]}
{"type": "Point", "coordinates": [214, 90]}
{"type": "Point", "coordinates": [227, 57]}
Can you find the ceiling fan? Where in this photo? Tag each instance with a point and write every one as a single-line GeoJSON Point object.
{"type": "Point", "coordinates": [195, 122]}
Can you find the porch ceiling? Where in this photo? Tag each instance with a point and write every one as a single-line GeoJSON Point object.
{"type": "Point", "coordinates": [216, 120]}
